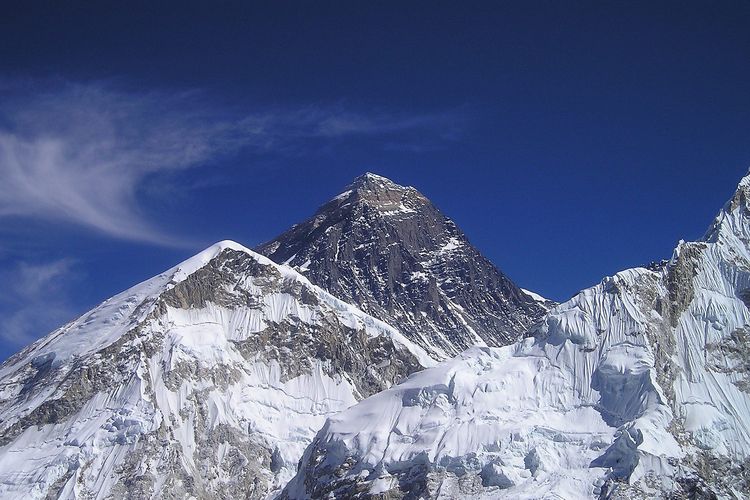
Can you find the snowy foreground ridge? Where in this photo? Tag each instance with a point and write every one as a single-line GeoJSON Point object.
{"type": "Point", "coordinates": [206, 381]}
{"type": "Point", "coordinates": [636, 388]}
{"type": "Point", "coordinates": [231, 376]}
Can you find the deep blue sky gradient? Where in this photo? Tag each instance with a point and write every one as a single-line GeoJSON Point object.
{"type": "Point", "coordinates": [572, 139]}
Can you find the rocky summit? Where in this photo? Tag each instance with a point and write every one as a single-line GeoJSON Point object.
{"type": "Point", "coordinates": [390, 251]}
{"type": "Point", "coordinates": [636, 388]}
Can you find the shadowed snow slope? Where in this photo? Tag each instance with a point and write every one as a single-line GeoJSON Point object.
{"type": "Point", "coordinates": [636, 388]}
{"type": "Point", "coordinates": [207, 381]}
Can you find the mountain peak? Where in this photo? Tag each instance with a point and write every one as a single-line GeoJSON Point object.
{"type": "Point", "coordinates": [388, 249]}
{"type": "Point", "coordinates": [382, 194]}
{"type": "Point", "coordinates": [242, 355]}
{"type": "Point", "coordinates": [642, 376]}
{"type": "Point", "coordinates": [371, 183]}
{"type": "Point", "coordinates": [375, 182]}
{"type": "Point", "coordinates": [741, 196]}
{"type": "Point", "coordinates": [733, 220]}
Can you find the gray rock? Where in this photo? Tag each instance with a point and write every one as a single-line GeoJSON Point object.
{"type": "Point", "coordinates": [389, 250]}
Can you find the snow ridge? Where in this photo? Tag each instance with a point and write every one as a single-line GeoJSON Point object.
{"type": "Point", "coordinates": [635, 388]}
{"type": "Point", "coordinates": [205, 381]}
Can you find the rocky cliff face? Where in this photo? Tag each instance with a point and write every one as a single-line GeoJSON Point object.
{"type": "Point", "coordinates": [206, 381]}
{"type": "Point", "coordinates": [636, 388]}
{"type": "Point", "coordinates": [389, 250]}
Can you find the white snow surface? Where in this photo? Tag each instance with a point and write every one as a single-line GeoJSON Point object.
{"type": "Point", "coordinates": [543, 301]}
{"type": "Point", "coordinates": [625, 386]}
{"type": "Point", "coordinates": [534, 295]}
{"type": "Point", "coordinates": [79, 457]}
{"type": "Point", "coordinates": [107, 322]}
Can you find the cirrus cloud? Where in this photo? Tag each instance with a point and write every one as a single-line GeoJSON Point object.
{"type": "Point", "coordinates": [82, 152]}
{"type": "Point", "coordinates": [34, 300]}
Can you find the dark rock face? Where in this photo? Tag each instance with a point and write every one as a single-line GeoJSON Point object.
{"type": "Point", "coordinates": [389, 250]}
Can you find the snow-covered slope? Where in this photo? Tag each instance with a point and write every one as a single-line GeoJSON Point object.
{"type": "Point", "coordinates": [387, 249]}
{"type": "Point", "coordinates": [636, 388]}
{"type": "Point", "coordinates": [207, 381]}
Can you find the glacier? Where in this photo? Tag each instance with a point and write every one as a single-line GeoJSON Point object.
{"type": "Point", "coordinates": [635, 388]}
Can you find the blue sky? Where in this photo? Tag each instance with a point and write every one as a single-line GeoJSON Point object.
{"type": "Point", "coordinates": [569, 140]}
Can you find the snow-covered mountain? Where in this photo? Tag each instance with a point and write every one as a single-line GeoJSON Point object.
{"type": "Point", "coordinates": [390, 251]}
{"type": "Point", "coordinates": [207, 381]}
{"type": "Point", "coordinates": [636, 388]}
{"type": "Point", "coordinates": [218, 377]}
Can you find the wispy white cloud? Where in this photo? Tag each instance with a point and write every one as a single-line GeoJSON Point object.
{"type": "Point", "coordinates": [79, 153]}
{"type": "Point", "coordinates": [34, 301]}
{"type": "Point", "coordinates": [337, 121]}
{"type": "Point", "coordinates": [82, 153]}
